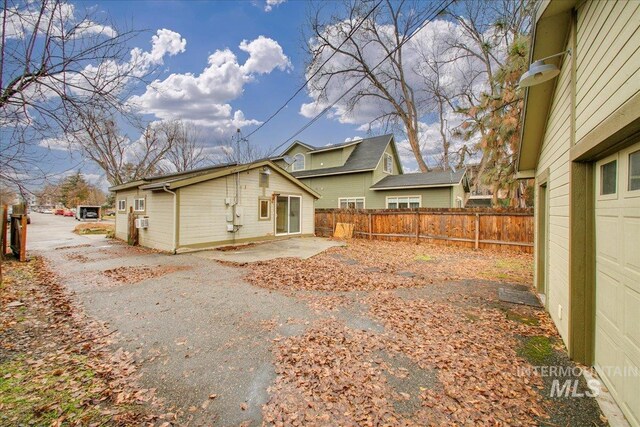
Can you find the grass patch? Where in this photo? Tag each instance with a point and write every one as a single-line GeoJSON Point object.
{"type": "Point", "coordinates": [94, 228]}
{"type": "Point", "coordinates": [43, 393]}
{"type": "Point", "coordinates": [536, 349]}
{"type": "Point", "coordinates": [517, 317]}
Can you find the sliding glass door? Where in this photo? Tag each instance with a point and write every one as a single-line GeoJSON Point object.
{"type": "Point", "coordinates": [288, 214]}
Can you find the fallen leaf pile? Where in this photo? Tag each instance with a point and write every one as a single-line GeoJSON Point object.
{"type": "Point", "coordinates": [77, 257]}
{"type": "Point", "coordinates": [129, 275]}
{"type": "Point", "coordinates": [55, 366]}
{"type": "Point", "coordinates": [329, 376]}
{"type": "Point", "coordinates": [320, 274]}
{"type": "Point", "coordinates": [475, 360]}
{"type": "Point", "coordinates": [376, 265]}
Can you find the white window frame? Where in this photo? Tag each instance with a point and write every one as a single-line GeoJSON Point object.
{"type": "Point", "coordinates": [599, 164]}
{"type": "Point", "coordinates": [355, 201]}
{"type": "Point", "coordinates": [304, 162]}
{"type": "Point", "coordinates": [136, 204]}
{"type": "Point", "coordinates": [260, 217]}
{"type": "Point", "coordinates": [384, 163]}
{"type": "Point", "coordinates": [403, 197]}
{"type": "Point", "coordinates": [625, 155]}
{"type": "Point", "coordinates": [122, 205]}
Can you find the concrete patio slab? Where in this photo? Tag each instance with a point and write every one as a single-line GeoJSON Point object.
{"type": "Point", "coordinates": [297, 247]}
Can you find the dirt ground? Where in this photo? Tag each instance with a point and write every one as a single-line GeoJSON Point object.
{"type": "Point", "coordinates": [374, 333]}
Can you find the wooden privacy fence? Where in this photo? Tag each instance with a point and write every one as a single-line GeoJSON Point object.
{"type": "Point", "coordinates": [474, 228]}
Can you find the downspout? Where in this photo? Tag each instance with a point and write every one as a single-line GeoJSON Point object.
{"type": "Point", "coordinates": [175, 216]}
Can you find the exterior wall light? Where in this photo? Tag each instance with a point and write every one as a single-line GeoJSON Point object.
{"type": "Point", "coordinates": [539, 72]}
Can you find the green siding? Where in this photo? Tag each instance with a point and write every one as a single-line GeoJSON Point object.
{"type": "Point", "coordinates": [357, 185]}
{"type": "Point", "coordinates": [379, 173]}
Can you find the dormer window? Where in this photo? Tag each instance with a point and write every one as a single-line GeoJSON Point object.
{"type": "Point", "coordinates": [388, 163]}
{"type": "Point", "coordinates": [298, 162]}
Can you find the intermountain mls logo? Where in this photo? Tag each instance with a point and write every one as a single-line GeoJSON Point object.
{"type": "Point", "coordinates": [566, 379]}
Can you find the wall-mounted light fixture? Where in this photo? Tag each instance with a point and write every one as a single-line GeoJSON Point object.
{"type": "Point", "coordinates": [266, 170]}
{"type": "Point", "coordinates": [539, 72]}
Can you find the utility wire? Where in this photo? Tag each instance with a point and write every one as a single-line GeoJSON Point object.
{"type": "Point", "coordinates": [304, 85]}
{"type": "Point", "coordinates": [324, 111]}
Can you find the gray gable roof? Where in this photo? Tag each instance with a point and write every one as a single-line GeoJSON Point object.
{"type": "Point", "coordinates": [365, 157]}
{"type": "Point", "coordinates": [417, 180]}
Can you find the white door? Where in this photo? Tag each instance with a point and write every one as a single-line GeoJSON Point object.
{"type": "Point", "coordinates": [288, 215]}
{"type": "Point", "coordinates": [617, 334]}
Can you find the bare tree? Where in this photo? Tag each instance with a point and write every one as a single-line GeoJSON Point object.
{"type": "Point", "coordinates": [122, 159]}
{"type": "Point", "coordinates": [186, 150]}
{"type": "Point", "coordinates": [54, 63]}
{"type": "Point", "coordinates": [380, 39]}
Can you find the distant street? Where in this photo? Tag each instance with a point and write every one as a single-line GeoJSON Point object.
{"type": "Point", "coordinates": [48, 231]}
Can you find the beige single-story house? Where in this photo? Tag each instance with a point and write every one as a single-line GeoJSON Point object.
{"type": "Point", "coordinates": [367, 174]}
{"type": "Point", "coordinates": [219, 205]}
{"type": "Point", "coordinates": [581, 143]}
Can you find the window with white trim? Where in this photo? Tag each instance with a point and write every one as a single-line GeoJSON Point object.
{"type": "Point", "coordinates": [609, 178]}
{"type": "Point", "coordinates": [264, 209]}
{"type": "Point", "coordinates": [298, 162]}
{"type": "Point", "coordinates": [403, 202]}
{"type": "Point", "coordinates": [634, 171]}
{"type": "Point", "coordinates": [122, 205]}
{"type": "Point", "coordinates": [351, 202]}
{"type": "Point", "coordinates": [388, 163]}
{"type": "Point", "coordinates": [138, 205]}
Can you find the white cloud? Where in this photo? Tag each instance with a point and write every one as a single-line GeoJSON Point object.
{"type": "Point", "coordinates": [204, 98]}
{"type": "Point", "coordinates": [355, 138]}
{"type": "Point", "coordinates": [265, 55]}
{"type": "Point", "coordinates": [164, 42]}
{"type": "Point", "coordinates": [270, 4]}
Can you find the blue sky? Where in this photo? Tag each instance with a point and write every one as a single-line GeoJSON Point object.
{"type": "Point", "coordinates": [211, 26]}
{"type": "Point", "coordinates": [228, 64]}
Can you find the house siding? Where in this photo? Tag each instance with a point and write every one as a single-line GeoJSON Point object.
{"type": "Point", "coordinates": [379, 172]}
{"type": "Point", "coordinates": [159, 210]}
{"type": "Point", "coordinates": [555, 157]}
{"type": "Point", "coordinates": [334, 187]}
{"type": "Point", "coordinates": [203, 212]}
{"type": "Point", "coordinates": [607, 39]}
{"type": "Point", "coordinates": [121, 216]}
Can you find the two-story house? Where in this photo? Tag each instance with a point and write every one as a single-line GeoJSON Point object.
{"type": "Point", "coordinates": [367, 174]}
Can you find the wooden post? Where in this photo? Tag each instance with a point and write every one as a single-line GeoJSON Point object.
{"type": "Point", "coordinates": [333, 223]}
{"type": "Point", "coordinates": [23, 238]}
{"type": "Point", "coordinates": [477, 231]}
{"type": "Point", "coordinates": [5, 210]}
{"type": "Point", "coordinates": [417, 227]}
{"type": "Point", "coordinates": [370, 227]}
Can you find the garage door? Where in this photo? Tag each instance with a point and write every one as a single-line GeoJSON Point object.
{"type": "Point", "coordinates": [617, 336]}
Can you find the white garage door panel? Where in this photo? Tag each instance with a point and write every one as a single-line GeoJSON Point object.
{"type": "Point", "coordinates": [617, 331]}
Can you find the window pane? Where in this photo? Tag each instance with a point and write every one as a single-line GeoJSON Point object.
{"type": "Point", "coordinates": [608, 174]}
{"type": "Point", "coordinates": [351, 204]}
{"type": "Point", "coordinates": [264, 209]}
{"type": "Point", "coordinates": [343, 204]}
{"type": "Point", "coordinates": [634, 171]}
{"type": "Point", "coordinates": [359, 204]}
{"type": "Point", "coordinates": [392, 205]}
{"type": "Point", "coordinates": [403, 204]}
{"type": "Point", "coordinates": [414, 205]}
{"type": "Point", "coordinates": [264, 180]}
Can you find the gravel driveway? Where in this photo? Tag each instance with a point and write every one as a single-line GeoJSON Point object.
{"type": "Point", "coordinates": [358, 333]}
{"type": "Point", "coordinates": [197, 331]}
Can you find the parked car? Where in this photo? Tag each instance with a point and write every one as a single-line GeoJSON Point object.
{"type": "Point", "coordinates": [59, 212]}
{"type": "Point", "coordinates": [68, 213]}
{"type": "Point", "coordinates": [91, 215]}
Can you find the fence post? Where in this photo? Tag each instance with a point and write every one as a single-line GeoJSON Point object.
{"type": "Point", "coordinates": [5, 210]}
{"type": "Point", "coordinates": [370, 227]}
{"type": "Point", "coordinates": [417, 227]}
{"type": "Point", "coordinates": [477, 231]}
{"type": "Point", "coordinates": [23, 238]}
{"type": "Point", "coordinates": [333, 224]}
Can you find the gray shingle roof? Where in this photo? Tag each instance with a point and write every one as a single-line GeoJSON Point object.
{"type": "Point", "coordinates": [416, 180]}
{"type": "Point", "coordinates": [364, 157]}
